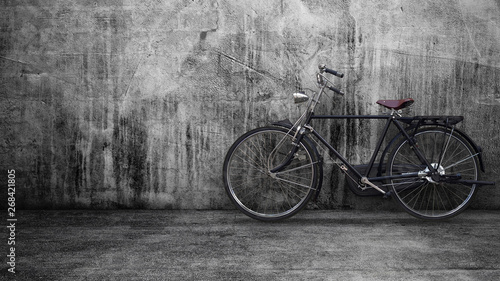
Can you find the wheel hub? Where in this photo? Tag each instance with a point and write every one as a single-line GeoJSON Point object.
{"type": "Point", "coordinates": [434, 177]}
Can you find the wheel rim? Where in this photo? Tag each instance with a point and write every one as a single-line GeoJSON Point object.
{"type": "Point", "coordinates": [424, 197]}
{"type": "Point", "coordinates": [260, 193]}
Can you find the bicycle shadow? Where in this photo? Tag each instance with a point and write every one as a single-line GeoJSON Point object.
{"type": "Point", "coordinates": [369, 219]}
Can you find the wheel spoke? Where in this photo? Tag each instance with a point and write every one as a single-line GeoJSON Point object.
{"type": "Point", "coordinates": [463, 160]}
{"type": "Point", "coordinates": [253, 165]}
{"type": "Point", "coordinates": [293, 183]}
{"type": "Point", "coordinates": [296, 168]}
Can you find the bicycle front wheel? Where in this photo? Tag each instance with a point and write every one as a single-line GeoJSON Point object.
{"type": "Point", "coordinates": [256, 191]}
{"type": "Point", "coordinates": [423, 197]}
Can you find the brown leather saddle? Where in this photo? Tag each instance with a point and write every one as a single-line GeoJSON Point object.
{"type": "Point", "coordinates": [396, 104]}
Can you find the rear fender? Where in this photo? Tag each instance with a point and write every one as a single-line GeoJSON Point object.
{"type": "Point", "coordinates": [414, 128]}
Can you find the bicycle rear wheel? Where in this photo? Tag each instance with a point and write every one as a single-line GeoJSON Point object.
{"type": "Point", "coordinates": [425, 198]}
{"type": "Point", "coordinates": [257, 192]}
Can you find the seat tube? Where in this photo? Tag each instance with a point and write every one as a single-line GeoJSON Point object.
{"type": "Point", "coordinates": [414, 146]}
{"type": "Point", "coordinates": [379, 144]}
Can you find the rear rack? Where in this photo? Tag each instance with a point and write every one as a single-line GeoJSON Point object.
{"type": "Point", "coordinates": [432, 120]}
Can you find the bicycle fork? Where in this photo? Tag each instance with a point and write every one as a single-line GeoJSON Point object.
{"type": "Point", "coordinates": [299, 134]}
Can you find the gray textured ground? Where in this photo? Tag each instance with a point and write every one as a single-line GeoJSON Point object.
{"type": "Point", "coordinates": [226, 245]}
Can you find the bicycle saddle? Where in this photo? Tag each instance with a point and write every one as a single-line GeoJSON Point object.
{"type": "Point", "coordinates": [396, 104]}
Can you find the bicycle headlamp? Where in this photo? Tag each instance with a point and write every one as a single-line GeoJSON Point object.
{"type": "Point", "coordinates": [300, 97]}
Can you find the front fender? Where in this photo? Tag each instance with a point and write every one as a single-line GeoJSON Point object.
{"type": "Point", "coordinates": [288, 125]}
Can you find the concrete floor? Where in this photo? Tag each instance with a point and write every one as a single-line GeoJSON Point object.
{"type": "Point", "coordinates": [227, 245]}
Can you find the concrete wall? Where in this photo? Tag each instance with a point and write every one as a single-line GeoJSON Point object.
{"type": "Point", "coordinates": [133, 104]}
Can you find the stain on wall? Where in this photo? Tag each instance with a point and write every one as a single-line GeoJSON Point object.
{"type": "Point", "coordinates": [123, 104]}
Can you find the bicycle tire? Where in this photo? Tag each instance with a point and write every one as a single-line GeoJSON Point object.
{"type": "Point", "coordinates": [423, 197]}
{"type": "Point", "coordinates": [258, 193]}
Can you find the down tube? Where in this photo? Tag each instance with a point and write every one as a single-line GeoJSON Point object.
{"type": "Point", "coordinates": [339, 156]}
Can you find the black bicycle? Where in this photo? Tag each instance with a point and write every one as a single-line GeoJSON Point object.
{"type": "Point", "coordinates": [429, 167]}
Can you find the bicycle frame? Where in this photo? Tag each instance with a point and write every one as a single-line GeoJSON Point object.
{"type": "Point", "coordinates": [390, 119]}
{"type": "Point", "coordinates": [303, 128]}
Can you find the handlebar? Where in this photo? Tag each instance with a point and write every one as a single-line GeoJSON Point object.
{"type": "Point", "coordinates": [323, 68]}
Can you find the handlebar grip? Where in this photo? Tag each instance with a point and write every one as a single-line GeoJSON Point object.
{"type": "Point", "coordinates": [323, 67]}
{"type": "Point", "coordinates": [336, 73]}
{"type": "Point", "coordinates": [336, 90]}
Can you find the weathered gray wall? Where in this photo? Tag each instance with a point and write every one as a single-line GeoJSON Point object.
{"type": "Point", "coordinates": [108, 104]}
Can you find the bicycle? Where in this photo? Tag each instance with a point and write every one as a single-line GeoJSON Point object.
{"type": "Point", "coordinates": [432, 169]}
